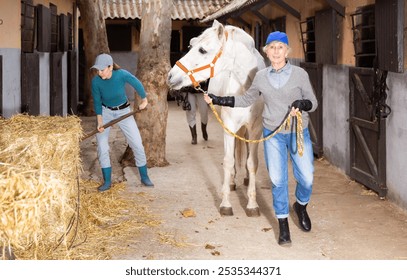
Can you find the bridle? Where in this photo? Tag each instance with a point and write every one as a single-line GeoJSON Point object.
{"type": "Point", "coordinates": [211, 65]}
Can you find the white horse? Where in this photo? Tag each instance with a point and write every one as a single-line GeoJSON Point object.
{"type": "Point", "coordinates": [227, 55]}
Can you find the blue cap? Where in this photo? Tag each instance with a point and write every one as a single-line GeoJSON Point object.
{"type": "Point", "coordinates": [277, 36]}
{"type": "Point", "coordinates": [102, 61]}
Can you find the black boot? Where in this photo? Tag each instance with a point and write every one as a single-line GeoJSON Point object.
{"type": "Point", "coordinates": [303, 217]}
{"type": "Point", "coordinates": [193, 133]}
{"type": "Point", "coordinates": [204, 132]}
{"type": "Point", "coordinates": [284, 237]}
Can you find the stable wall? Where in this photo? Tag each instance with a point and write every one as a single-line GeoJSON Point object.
{"type": "Point", "coordinates": [10, 49]}
{"type": "Point", "coordinates": [11, 81]}
{"type": "Point", "coordinates": [335, 115]}
{"type": "Point", "coordinates": [396, 138]}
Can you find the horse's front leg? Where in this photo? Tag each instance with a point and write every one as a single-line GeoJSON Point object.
{"type": "Point", "coordinates": [252, 209]}
{"type": "Point", "coordinates": [228, 175]}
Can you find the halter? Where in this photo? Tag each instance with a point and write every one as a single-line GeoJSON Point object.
{"type": "Point", "coordinates": [211, 65]}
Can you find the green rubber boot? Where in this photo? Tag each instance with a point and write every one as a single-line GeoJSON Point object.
{"type": "Point", "coordinates": [107, 177]}
{"type": "Point", "coordinates": [144, 177]}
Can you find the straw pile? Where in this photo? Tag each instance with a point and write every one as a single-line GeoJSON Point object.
{"type": "Point", "coordinates": [39, 165]}
{"type": "Point", "coordinates": [46, 211]}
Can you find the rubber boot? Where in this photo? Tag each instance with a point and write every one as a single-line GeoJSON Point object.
{"type": "Point", "coordinates": [204, 132]}
{"type": "Point", "coordinates": [144, 177]}
{"type": "Point", "coordinates": [284, 237]}
{"type": "Point", "coordinates": [107, 177]}
{"type": "Point", "coordinates": [193, 133]}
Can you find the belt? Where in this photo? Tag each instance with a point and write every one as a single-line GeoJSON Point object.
{"type": "Point", "coordinates": [120, 107]}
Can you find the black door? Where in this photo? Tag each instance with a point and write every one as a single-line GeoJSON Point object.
{"type": "Point", "coordinates": [367, 133]}
{"type": "Point", "coordinates": [56, 99]}
{"type": "Point", "coordinates": [314, 71]}
{"type": "Point", "coordinates": [30, 83]}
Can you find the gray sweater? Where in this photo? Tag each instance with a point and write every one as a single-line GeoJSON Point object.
{"type": "Point", "coordinates": [277, 102]}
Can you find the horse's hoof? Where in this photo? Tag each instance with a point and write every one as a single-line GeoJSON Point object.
{"type": "Point", "coordinates": [253, 212]}
{"type": "Point", "coordinates": [232, 187]}
{"type": "Point", "coordinates": [246, 181]}
{"type": "Point", "coordinates": [226, 211]}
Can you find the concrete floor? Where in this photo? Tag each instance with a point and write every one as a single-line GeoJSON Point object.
{"type": "Point", "coordinates": [349, 222]}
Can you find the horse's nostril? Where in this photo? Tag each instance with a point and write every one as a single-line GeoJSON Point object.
{"type": "Point", "coordinates": [169, 77]}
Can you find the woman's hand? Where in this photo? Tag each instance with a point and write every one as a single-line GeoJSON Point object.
{"type": "Point", "coordinates": [207, 98]}
{"type": "Point", "coordinates": [294, 111]}
{"type": "Point", "coordinates": [100, 123]}
{"type": "Point", "coordinates": [143, 104]}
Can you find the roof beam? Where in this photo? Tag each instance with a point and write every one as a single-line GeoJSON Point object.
{"type": "Point", "coordinates": [251, 7]}
{"type": "Point", "coordinates": [288, 8]}
{"type": "Point", "coordinates": [337, 7]}
{"type": "Point", "coordinates": [242, 21]}
{"type": "Point", "coordinates": [260, 16]}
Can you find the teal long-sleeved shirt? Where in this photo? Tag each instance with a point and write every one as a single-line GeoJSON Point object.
{"type": "Point", "coordinates": [112, 92]}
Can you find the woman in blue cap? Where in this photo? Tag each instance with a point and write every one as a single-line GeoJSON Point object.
{"type": "Point", "coordinates": [286, 89]}
{"type": "Point", "coordinates": [110, 102]}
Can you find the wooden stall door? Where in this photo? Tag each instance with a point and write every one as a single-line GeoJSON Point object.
{"type": "Point", "coordinates": [315, 126]}
{"type": "Point", "coordinates": [56, 99]}
{"type": "Point", "coordinates": [30, 83]}
{"type": "Point", "coordinates": [367, 133]}
{"type": "Point", "coordinates": [72, 83]}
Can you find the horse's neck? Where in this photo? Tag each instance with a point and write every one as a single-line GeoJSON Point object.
{"type": "Point", "coordinates": [228, 83]}
{"type": "Point", "coordinates": [239, 65]}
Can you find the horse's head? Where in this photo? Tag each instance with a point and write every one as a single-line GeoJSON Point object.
{"type": "Point", "coordinates": [201, 61]}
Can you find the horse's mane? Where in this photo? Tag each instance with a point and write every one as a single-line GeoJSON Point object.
{"type": "Point", "coordinates": [234, 33]}
{"type": "Point", "coordinates": [238, 34]}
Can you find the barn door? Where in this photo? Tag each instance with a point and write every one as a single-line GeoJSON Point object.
{"type": "Point", "coordinates": [367, 132]}
{"type": "Point", "coordinates": [56, 99]}
{"type": "Point", "coordinates": [314, 71]}
{"type": "Point", "coordinates": [30, 83]}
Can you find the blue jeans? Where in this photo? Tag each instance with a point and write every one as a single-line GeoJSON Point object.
{"type": "Point", "coordinates": [130, 130]}
{"type": "Point", "coordinates": [276, 151]}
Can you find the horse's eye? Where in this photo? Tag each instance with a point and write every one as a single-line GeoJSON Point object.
{"type": "Point", "coordinates": [202, 50]}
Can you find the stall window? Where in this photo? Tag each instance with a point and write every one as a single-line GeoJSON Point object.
{"type": "Point", "coordinates": [364, 41]}
{"type": "Point", "coordinates": [119, 37]}
{"type": "Point", "coordinates": [307, 28]}
{"type": "Point", "coordinates": [27, 26]}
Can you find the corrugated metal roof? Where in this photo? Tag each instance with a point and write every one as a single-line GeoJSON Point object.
{"type": "Point", "coordinates": [182, 9]}
{"type": "Point", "coordinates": [229, 8]}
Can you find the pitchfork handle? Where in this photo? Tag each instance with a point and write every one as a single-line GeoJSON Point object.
{"type": "Point", "coordinates": [111, 123]}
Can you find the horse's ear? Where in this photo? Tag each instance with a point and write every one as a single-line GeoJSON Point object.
{"type": "Point", "coordinates": [220, 28]}
{"type": "Point", "coordinates": [192, 41]}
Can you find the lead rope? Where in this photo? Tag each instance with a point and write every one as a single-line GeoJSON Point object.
{"type": "Point", "coordinates": [286, 123]}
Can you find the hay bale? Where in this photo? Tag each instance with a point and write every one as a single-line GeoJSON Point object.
{"type": "Point", "coordinates": [46, 212]}
{"type": "Point", "coordinates": [39, 165]}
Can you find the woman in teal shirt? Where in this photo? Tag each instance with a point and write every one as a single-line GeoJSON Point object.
{"type": "Point", "coordinates": [110, 102]}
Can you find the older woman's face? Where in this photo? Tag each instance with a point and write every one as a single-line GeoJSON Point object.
{"type": "Point", "coordinates": [277, 53]}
